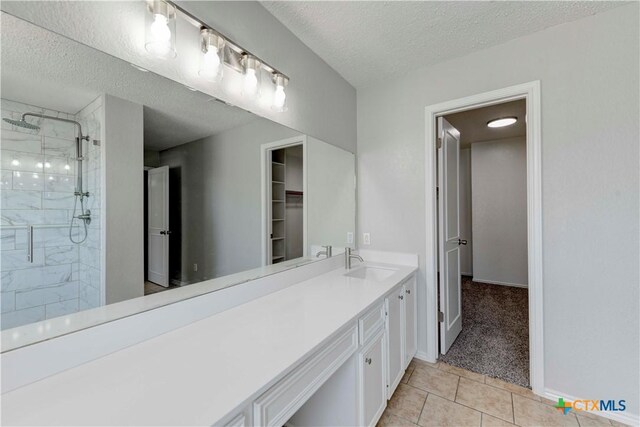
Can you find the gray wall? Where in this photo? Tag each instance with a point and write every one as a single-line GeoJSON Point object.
{"type": "Point", "coordinates": [499, 199]}
{"type": "Point", "coordinates": [123, 210]}
{"type": "Point", "coordinates": [321, 103]}
{"type": "Point", "coordinates": [466, 258]}
{"type": "Point", "coordinates": [590, 130]}
{"type": "Point", "coordinates": [221, 199]}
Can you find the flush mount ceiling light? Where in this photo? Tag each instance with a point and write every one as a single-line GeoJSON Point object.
{"type": "Point", "coordinates": [502, 122]}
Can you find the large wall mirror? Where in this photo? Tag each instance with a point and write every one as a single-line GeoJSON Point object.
{"type": "Point", "coordinates": [122, 188]}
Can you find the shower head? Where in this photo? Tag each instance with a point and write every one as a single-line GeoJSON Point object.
{"type": "Point", "coordinates": [22, 123]}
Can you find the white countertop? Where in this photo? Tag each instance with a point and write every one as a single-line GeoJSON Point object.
{"type": "Point", "coordinates": [14, 338]}
{"type": "Point", "coordinates": [202, 372]}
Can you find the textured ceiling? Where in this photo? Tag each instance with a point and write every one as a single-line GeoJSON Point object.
{"type": "Point", "coordinates": [472, 124]}
{"type": "Point", "coordinates": [48, 70]}
{"type": "Point", "coordinates": [366, 41]}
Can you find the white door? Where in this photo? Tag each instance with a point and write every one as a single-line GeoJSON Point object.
{"type": "Point", "coordinates": [410, 308]}
{"type": "Point", "coordinates": [373, 388]}
{"type": "Point", "coordinates": [395, 340]}
{"type": "Point", "coordinates": [158, 226]}
{"type": "Point", "coordinates": [449, 234]}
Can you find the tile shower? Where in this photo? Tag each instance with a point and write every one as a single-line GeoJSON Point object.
{"type": "Point", "coordinates": [37, 185]}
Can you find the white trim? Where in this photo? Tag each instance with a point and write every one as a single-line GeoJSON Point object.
{"type": "Point", "coordinates": [495, 282]}
{"type": "Point", "coordinates": [264, 149]}
{"type": "Point", "coordinates": [623, 417]}
{"type": "Point", "coordinates": [531, 92]}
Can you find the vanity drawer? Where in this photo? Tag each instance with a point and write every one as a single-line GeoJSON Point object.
{"type": "Point", "coordinates": [371, 323]}
{"type": "Point", "coordinates": [281, 401]}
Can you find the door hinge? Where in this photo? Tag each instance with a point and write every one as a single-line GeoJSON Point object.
{"type": "Point", "coordinates": [440, 316]}
{"type": "Point", "coordinates": [437, 192]}
{"type": "Point", "coordinates": [439, 143]}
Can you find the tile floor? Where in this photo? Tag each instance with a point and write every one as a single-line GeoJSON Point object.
{"type": "Point", "coordinates": [437, 394]}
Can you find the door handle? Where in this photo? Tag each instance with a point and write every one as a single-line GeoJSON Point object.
{"type": "Point", "coordinates": [461, 242]}
{"type": "Point", "coordinates": [163, 232]}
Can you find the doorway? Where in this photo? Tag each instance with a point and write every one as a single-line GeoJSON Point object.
{"type": "Point", "coordinates": [530, 93]}
{"type": "Point", "coordinates": [284, 203]}
{"type": "Point", "coordinates": [482, 212]}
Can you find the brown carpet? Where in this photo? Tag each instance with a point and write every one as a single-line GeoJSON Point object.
{"type": "Point", "coordinates": [495, 332]}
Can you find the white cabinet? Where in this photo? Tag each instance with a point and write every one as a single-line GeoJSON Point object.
{"type": "Point", "coordinates": [410, 309]}
{"type": "Point", "coordinates": [395, 339]}
{"type": "Point", "coordinates": [373, 390]}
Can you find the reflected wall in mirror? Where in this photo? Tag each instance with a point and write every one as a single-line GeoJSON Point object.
{"type": "Point", "coordinates": [118, 184]}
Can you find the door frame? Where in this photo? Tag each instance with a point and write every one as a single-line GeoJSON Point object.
{"type": "Point", "coordinates": [531, 93]}
{"type": "Point", "coordinates": [265, 188]}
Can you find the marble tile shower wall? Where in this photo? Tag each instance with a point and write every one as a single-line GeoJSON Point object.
{"type": "Point", "coordinates": [89, 283]}
{"type": "Point", "coordinates": [37, 183]}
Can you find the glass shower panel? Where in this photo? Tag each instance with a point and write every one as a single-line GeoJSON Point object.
{"type": "Point", "coordinates": [41, 266]}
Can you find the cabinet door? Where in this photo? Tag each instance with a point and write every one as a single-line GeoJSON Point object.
{"type": "Point", "coordinates": [373, 384]}
{"type": "Point", "coordinates": [395, 340]}
{"type": "Point", "coordinates": [410, 308]}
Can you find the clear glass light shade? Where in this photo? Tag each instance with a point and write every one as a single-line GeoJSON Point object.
{"type": "Point", "coordinates": [160, 24]}
{"type": "Point", "coordinates": [252, 77]}
{"type": "Point", "coordinates": [212, 55]}
{"type": "Point", "coordinates": [279, 95]}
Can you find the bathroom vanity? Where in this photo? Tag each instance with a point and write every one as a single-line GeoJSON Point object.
{"type": "Point", "coordinates": [329, 350]}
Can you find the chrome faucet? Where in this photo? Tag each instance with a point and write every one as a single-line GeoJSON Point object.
{"type": "Point", "coordinates": [348, 255]}
{"type": "Point", "coordinates": [327, 252]}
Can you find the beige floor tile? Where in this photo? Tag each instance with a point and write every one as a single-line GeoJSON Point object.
{"type": "Point", "coordinates": [390, 420]}
{"type": "Point", "coordinates": [489, 421]}
{"type": "Point", "coordinates": [421, 363]}
{"type": "Point", "coordinates": [435, 381]}
{"type": "Point", "coordinates": [407, 375]}
{"type": "Point", "coordinates": [461, 372]}
{"type": "Point", "coordinates": [484, 398]}
{"type": "Point", "coordinates": [407, 402]}
{"type": "Point", "coordinates": [537, 414]}
{"type": "Point", "coordinates": [512, 388]}
{"type": "Point", "coordinates": [442, 413]}
{"type": "Point", "coordinates": [618, 424]}
{"type": "Point", "coordinates": [588, 420]}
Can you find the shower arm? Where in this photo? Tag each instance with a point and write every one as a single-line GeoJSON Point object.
{"type": "Point", "coordinates": [79, 190]}
{"type": "Point", "coordinates": [44, 116]}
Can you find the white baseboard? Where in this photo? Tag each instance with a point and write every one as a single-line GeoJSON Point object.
{"type": "Point", "coordinates": [623, 417]}
{"type": "Point", "coordinates": [466, 274]}
{"type": "Point", "coordinates": [494, 282]}
{"type": "Point", "coordinates": [422, 355]}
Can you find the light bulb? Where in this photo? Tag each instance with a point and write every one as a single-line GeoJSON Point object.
{"type": "Point", "coordinates": [160, 28]}
{"type": "Point", "coordinates": [15, 162]}
{"type": "Point", "coordinates": [47, 165]}
{"type": "Point", "coordinates": [210, 63]}
{"type": "Point", "coordinates": [160, 36]}
{"type": "Point", "coordinates": [39, 165]}
{"type": "Point", "coordinates": [67, 167]}
{"type": "Point", "coordinates": [279, 97]}
{"type": "Point", "coordinates": [250, 82]}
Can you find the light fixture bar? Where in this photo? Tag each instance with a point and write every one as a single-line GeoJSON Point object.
{"type": "Point", "coordinates": [230, 45]}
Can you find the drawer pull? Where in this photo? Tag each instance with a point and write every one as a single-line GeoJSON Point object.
{"type": "Point", "coordinates": [400, 296]}
{"type": "Point", "coordinates": [367, 361]}
{"type": "Point", "coordinates": [408, 291]}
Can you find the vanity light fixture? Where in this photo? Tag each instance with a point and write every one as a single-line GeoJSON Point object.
{"type": "Point", "coordinates": [279, 96]}
{"type": "Point", "coordinates": [160, 26]}
{"type": "Point", "coordinates": [502, 122]}
{"type": "Point", "coordinates": [252, 74]}
{"type": "Point", "coordinates": [211, 59]}
{"type": "Point", "coordinates": [216, 52]}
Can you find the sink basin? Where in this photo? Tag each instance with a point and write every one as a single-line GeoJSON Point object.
{"type": "Point", "coordinates": [376, 274]}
